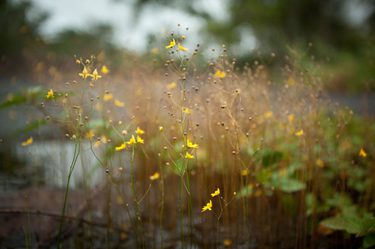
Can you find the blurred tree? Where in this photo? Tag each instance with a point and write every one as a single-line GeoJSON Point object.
{"type": "Point", "coordinates": [83, 42]}
{"type": "Point", "coordinates": [341, 31]}
{"type": "Point", "coordinates": [19, 33]}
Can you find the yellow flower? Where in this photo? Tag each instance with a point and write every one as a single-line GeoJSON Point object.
{"type": "Point", "coordinates": [132, 140]}
{"type": "Point", "coordinates": [140, 140]}
{"type": "Point", "coordinates": [154, 51]}
{"type": "Point", "coordinates": [171, 85]}
{"type": "Point", "coordinates": [362, 153]}
{"type": "Point", "coordinates": [245, 172]}
{"type": "Point", "coordinates": [291, 81]}
{"type": "Point", "coordinates": [208, 206]}
{"type": "Point", "coordinates": [299, 133]}
{"type": "Point", "coordinates": [27, 142]}
{"type": "Point", "coordinates": [104, 139]}
{"type": "Point", "coordinates": [161, 128]}
{"type": "Point", "coordinates": [171, 44]}
{"type": "Point", "coordinates": [95, 75]}
{"type": "Point", "coordinates": [220, 74]}
{"type": "Point", "coordinates": [50, 94]}
{"type": "Point", "coordinates": [227, 242]}
{"type": "Point", "coordinates": [107, 97]}
{"type": "Point", "coordinates": [90, 134]}
{"type": "Point", "coordinates": [155, 176]}
{"type": "Point", "coordinates": [182, 48]}
{"type": "Point", "coordinates": [186, 110]}
{"type": "Point", "coordinates": [189, 156]}
{"type": "Point", "coordinates": [121, 147]}
{"type": "Point", "coordinates": [85, 73]}
{"type": "Point", "coordinates": [189, 144]}
{"type": "Point", "coordinates": [139, 131]}
{"type": "Point", "coordinates": [105, 69]}
{"type": "Point", "coordinates": [291, 117]}
{"type": "Point", "coordinates": [216, 193]}
{"type": "Point", "coordinates": [268, 114]}
{"type": "Point", "coordinates": [319, 162]}
{"type": "Point", "coordinates": [118, 103]}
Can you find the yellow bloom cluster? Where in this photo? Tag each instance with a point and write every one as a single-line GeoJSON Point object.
{"type": "Point", "coordinates": [94, 75]}
{"type": "Point", "coordinates": [209, 204]}
{"type": "Point", "coordinates": [133, 140]}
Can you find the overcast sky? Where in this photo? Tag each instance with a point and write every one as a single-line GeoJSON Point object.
{"type": "Point", "coordinates": [128, 32]}
{"type": "Point", "coordinates": [131, 33]}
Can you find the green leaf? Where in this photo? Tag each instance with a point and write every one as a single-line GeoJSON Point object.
{"type": "Point", "coordinates": [335, 223]}
{"type": "Point", "coordinates": [290, 185]}
{"type": "Point", "coordinates": [180, 167]}
{"type": "Point", "coordinates": [369, 241]}
{"type": "Point", "coordinates": [245, 191]}
{"type": "Point", "coordinates": [271, 157]}
{"type": "Point", "coordinates": [353, 224]}
{"type": "Point", "coordinates": [32, 126]}
{"type": "Point", "coordinates": [22, 98]}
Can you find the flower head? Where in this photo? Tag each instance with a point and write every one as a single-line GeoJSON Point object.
{"type": "Point", "coordinates": [27, 142]}
{"type": "Point", "coordinates": [290, 117]}
{"type": "Point", "coordinates": [182, 48]}
{"type": "Point", "coordinates": [132, 140]}
{"type": "Point", "coordinates": [50, 94]}
{"type": "Point", "coordinates": [119, 103]}
{"type": "Point", "coordinates": [208, 206]}
{"type": "Point", "coordinates": [186, 110]}
{"type": "Point", "coordinates": [121, 147]}
{"type": "Point", "coordinates": [95, 75]}
{"type": "Point", "coordinates": [171, 44]}
{"type": "Point", "coordinates": [216, 193]}
{"type": "Point", "coordinates": [189, 156]}
{"type": "Point", "coordinates": [107, 97]}
{"type": "Point", "coordinates": [140, 140]}
{"type": "Point", "coordinates": [220, 74]}
{"type": "Point", "coordinates": [90, 134]}
{"type": "Point", "coordinates": [245, 172]}
{"type": "Point", "coordinates": [191, 145]}
{"type": "Point", "coordinates": [139, 131]}
{"type": "Point", "coordinates": [299, 133]}
{"type": "Point", "coordinates": [85, 73]}
{"type": "Point", "coordinates": [105, 69]}
{"type": "Point", "coordinates": [362, 153]}
{"type": "Point", "coordinates": [155, 176]}
{"type": "Point", "coordinates": [171, 85]}
{"type": "Point", "coordinates": [268, 114]}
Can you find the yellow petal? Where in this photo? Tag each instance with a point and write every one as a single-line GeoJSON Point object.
{"type": "Point", "coordinates": [27, 142]}
{"type": "Point", "coordinates": [362, 153]}
{"type": "Point", "coordinates": [155, 176]}
{"type": "Point", "coordinates": [121, 147]}
{"type": "Point", "coordinates": [105, 69]}
{"type": "Point", "coordinates": [220, 74]}
{"type": "Point", "coordinates": [299, 133]}
{"type": "Point", "coordinates": [216, 193]}
{"type": "Point", "coordinates": [50, 94]}
{"type": "Point", "coordinates": [118, 103]}
{"type": "Point", "coordinates": [171, 44]}
{"type": "Point", "coordinates": [107, 97]}
{"type": "Point", "coordinates": [189, 156]}
{"type": "Point", "coordinates": [182, 48]}
{"type": "Point", "coordinates": [139, 131]}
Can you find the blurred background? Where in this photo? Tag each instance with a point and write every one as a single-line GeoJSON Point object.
{"type": "Point", "coordinates": [329, 45]}
{"type": "Point", "coordinates": [333, 38]}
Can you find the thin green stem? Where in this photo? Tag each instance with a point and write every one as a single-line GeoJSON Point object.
{"type": "Point", "coordinates": [71, 168]}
